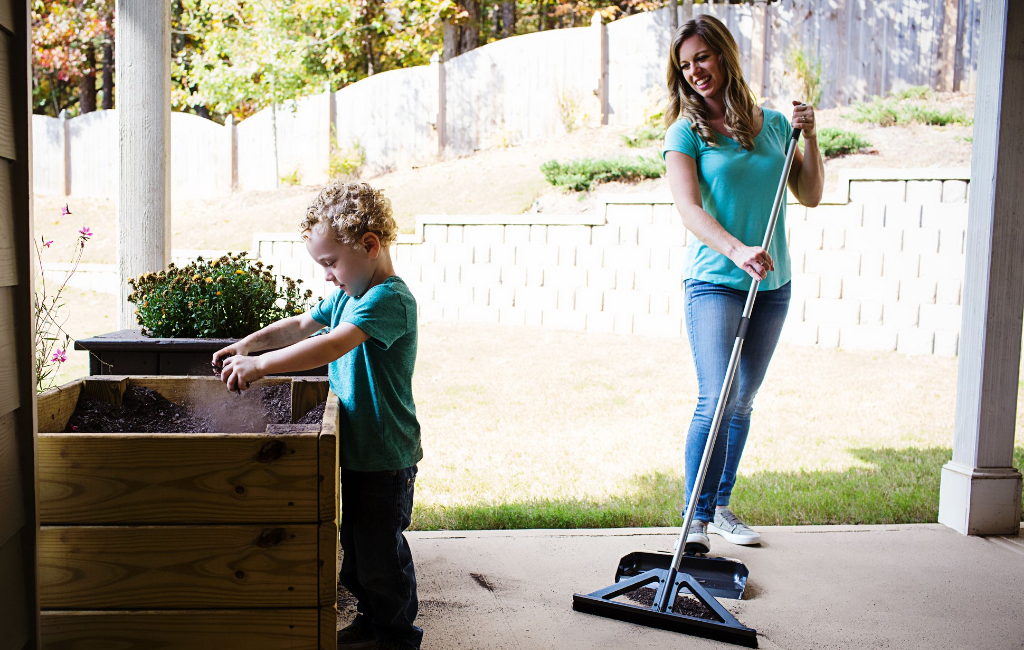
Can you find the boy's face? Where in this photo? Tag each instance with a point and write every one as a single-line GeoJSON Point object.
{"type": "Point", "coordinates": [350, 269]}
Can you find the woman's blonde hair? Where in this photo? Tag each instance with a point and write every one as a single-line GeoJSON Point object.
{"type": "Point", "coordinates": [351, 210]}
{"type": "Point", "coordinates": [687, 102]}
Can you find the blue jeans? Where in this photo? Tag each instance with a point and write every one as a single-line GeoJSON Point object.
{"type": "Point", "coordinates": [713, 313]}
{"type": "Point", "coordinates": [376, 507]}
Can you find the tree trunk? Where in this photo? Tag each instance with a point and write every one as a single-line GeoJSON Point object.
{"type": "Point", "coordinates": [541, 15]}
{"type": "Point", "coordinates": [87, 85]}
{"type": "Point", "coordinates": [687, 10]}
{"type": "Point", "coordinates": [673, 15]}
{"type": "Point", "coordinates": [451, 41]}
{"type": "Point", "coordinates": [508, 19]}
{"type": "Point", "coordinates": [108, 76]}
{"type": "Point", "coordinates": [470, 37]}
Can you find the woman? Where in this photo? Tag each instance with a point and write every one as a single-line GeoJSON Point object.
{"type": "Point", "coordinates": [724, 158]}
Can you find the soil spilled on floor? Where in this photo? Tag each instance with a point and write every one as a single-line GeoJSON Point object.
{"type": "Point", "coordinates": [146, 411]}
{"type": "Point", "coordinates": [685, 605]}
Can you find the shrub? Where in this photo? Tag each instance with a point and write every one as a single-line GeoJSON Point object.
{"type": "Point", "coordinates": [808, 74]}
{"type": "Point", "coordinates": [582, 174]}
{"type": "Point", "coordinates": [346, 162]}
{"type": "Point", "coordinates": [643, 137]}
{"type": "Point", "coordinates": [294, 178]}
{"type": "Point", "coordinates": [837, 142]}
{"type": "Point", "coordinates": [229, 297]}
{"type": "Point", "coordinates": [907, 107]}
{"type": "Point", "coordinates": [570, 109]}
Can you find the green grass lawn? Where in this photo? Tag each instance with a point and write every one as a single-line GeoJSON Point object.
{"type": "Point", "coordinates": [527, 428]}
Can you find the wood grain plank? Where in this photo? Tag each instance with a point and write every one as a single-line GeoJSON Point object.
{"type": "Point", "coordinates": [56, 405]}
{"type": "Point", "coordinates": [8, 242]}
{"type": "Point", "coordinates": [7, 15]}
{"type": "Point", "coordinates": [329, 627]}
{"type": "Point", "coordinates": [266, 629]}
{"type": "Point", "coordinates": [188, 478]}
{"type": "Point", "coordinates": [10, 390]}
{"type": "Point", "coordinates": [12, 506]}
{"type": "Point", "coordinates": [328, 552]}
{"type": "Point", "coordinates": [306, 394]}
{"type": "Point", "coordinates": [328, 463]}
{"type": "Point", "coordinates": [172, 567]}
{"type": "Point", "coordinates": [7, 126]}
{"type": "Point", "coordinates": [15, 621]}
{"type": "Point", "coordinates": [110, 388]}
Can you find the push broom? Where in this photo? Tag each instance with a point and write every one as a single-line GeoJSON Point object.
{"type": "Point", "coordinates": [702, 577]}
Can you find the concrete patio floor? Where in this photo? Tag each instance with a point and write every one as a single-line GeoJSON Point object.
{"type": "Point", "coordinates": [910, 586]}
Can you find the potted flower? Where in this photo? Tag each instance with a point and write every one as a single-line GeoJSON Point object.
{"type": "Point", "coordinates": [187, 313]}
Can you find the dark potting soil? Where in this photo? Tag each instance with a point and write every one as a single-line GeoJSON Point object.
{"type": "Point", "coordinates": [146, 411]}
{"type": "Point", "coordinates": [685, 605]}
{"type": "Point", "coordinates": [315, 415]}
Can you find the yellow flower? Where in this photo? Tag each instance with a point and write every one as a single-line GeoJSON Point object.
{"type": "Point", "coordinates": [218, 293]}
{"type": "Point", "coordinates": [195, 277]}
{"type": "Point", "coordinates": [208, 280]}
{"type": "Point", "coordinates": [298, 311]}
{"type": "Point", "coordinates": [239, 272]}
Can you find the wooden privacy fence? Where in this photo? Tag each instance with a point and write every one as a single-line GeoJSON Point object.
{"type": "Point", "coordinates": [524, 89]}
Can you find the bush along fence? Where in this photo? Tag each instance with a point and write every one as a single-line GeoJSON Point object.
{"type": "Point", "coordinates": [524, 89]}
{"type": "Point", "coordinates": [878, 266]}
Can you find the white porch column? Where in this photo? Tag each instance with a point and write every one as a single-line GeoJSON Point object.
{"type": "Point", "coordinates": [980, 492]}
{"type": "Point", "coordinates": [144, 107]}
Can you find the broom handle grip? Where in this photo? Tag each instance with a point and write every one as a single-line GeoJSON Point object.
{"type": "Point", "coordinates": [664, 596]}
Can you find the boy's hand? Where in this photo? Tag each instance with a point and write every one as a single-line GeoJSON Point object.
{"type": "Point", "coordinates": [239, 371]}
{"type": "Point", "coordinates": [235, 349]}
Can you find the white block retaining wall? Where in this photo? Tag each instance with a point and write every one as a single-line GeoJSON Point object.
{"type": "Point", "coordinates": [878, 267]}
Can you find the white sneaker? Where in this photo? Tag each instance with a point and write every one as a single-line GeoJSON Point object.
{"type": "Point", "coordinates": [732, 528]}
{"type": "Point", "coordinates": [697, 538]}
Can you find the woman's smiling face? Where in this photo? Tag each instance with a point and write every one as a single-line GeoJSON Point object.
{"type": "Point", "coordinates": [700, 67]}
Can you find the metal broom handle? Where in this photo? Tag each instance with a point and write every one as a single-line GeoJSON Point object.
{"type": "Point", "coordinates": [667, 588]}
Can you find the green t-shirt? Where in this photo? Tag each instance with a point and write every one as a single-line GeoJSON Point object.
{"type": "Point", "coordinates": [379, 429]}
{"type": "Point", "coordinates": [737, 188]}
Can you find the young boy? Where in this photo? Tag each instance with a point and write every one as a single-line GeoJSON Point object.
{"type": "Point", "coordinates": [371, 349]}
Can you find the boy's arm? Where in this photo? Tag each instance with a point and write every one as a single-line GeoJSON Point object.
{"type": "Point", "coordinates": [240, 371]}
{"type": "Point", "coordinates": [279, 334]}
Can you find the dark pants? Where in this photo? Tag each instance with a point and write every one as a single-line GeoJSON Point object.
{"type": "Point", "coordinates": [376, 507]}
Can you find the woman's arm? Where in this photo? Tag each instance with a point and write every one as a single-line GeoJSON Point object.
{"type": "Point", "coordinates": [807, 176]}
{"type": "Point", "coordinates": [682, 180]}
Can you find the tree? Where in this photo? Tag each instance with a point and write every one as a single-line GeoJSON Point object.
{"type": "Point", "coordinates": [65, 39]}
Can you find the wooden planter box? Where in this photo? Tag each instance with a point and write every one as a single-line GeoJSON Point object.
{"type": "Point", "coordinates": [187, 540]}
{"type": "Point", "coordinates": [128, 352]}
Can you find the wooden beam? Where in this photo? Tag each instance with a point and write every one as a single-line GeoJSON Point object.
{"type": "Point", "coordinates": [8, 242]}
{"type": "Point", "coordinates": [980, 493]}
{"type": "Point", "coordinates": [947, 44]}
{"type": "Point", "coordinates": [307, 394]}
{"type": "Point", "coordinates": [10, 395]}
{"type": "Point", "coordinates": [266, 629]}
{"type": "Point", "coordinates": [174, 567]}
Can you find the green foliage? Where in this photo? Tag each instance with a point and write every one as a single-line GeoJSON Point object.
{"type": "Point", "coordinates": [229, 297]}
{"type": "Point", "coordinates": [294, 178]}
{"type": "Point", "coordinates": [837, 142]}
{"type": "Point", "coordinates": [808, 73]}
{"type": "Point", "coordinates": [67, 40]}
{"type": "Point", "coordinates": [582, 174]}
{"type": "Point", "coordinates": [570, 109]}
{"type": "Point", "coordinates": [346, 162]}
{"type": "Point", "coordinates": [910, 106]}
{"type": "Point", "coordinates": [643, 137]}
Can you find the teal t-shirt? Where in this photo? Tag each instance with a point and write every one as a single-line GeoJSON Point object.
{"type": "Point", "coordinates": [373, 382]}
{"type": "Point", "coordinates": [737, 188]}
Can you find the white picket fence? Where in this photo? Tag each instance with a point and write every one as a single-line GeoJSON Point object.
{"type": "Point", "coordinates": [524, 89]}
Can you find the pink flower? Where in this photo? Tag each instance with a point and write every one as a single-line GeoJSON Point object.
{"type": "Point", "coordinates": [64, 211]}
{"type": "Point", "coordinates": [85, 233]}
{"type": "Point", "coordinates": [59, 356]}
{"type": "Point", "coordinates": [47, 243]}
{"type": "Point", "coordinates": [74, 428]}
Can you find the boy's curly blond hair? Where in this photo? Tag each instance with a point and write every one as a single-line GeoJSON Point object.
{"type": "Point", "coordinates": [351, 210]}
